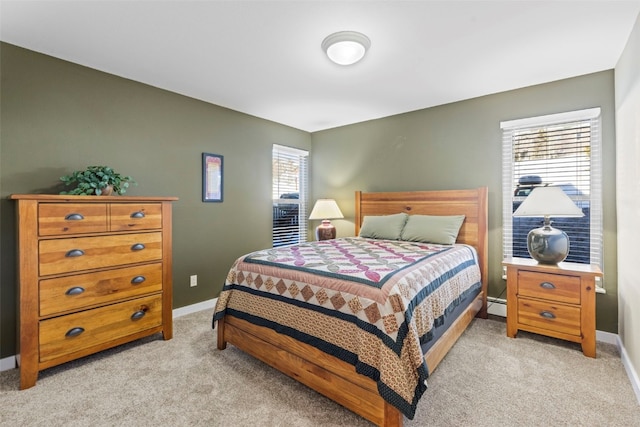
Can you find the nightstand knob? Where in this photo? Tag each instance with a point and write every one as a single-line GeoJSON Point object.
{"type": "Point", "coordinates": [74, 253]}
{"type": "Point", "coordinates": [74, 332]}
{"type": "Point", "coordinates": [138, 279]}
{"type": "Point", "coordinates": [139, 314]}
{"type": "Point", "coordinates": [547, 285]}
{"type": "Point", "coordinates": [76, 290]}
{"type": "Point", "coordinates": [74, 217]}
{"type": "Point", "coordinates": [547, 315]}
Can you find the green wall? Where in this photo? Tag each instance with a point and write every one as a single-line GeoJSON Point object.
{"type": "Point", "coordinates": [57, 117]}
{"type": "Point", "coordinates": [459, 145]}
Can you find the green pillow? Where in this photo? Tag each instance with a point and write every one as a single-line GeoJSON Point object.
{"type": "Point", "coordinates": [432, 229]}
{"type": "Point", "coordinates": [384, 226]}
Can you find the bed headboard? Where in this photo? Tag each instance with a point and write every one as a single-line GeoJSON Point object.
{"type": "Point", "coordinates": [473, 204]}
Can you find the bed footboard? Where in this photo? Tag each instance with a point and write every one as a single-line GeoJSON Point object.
{"type": "Point", "coordinates": [322, 372]}
{"type": "Point", "coordinates": [327, 374]}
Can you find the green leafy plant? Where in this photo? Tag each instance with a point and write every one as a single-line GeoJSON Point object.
{"type": "Point", "coordinates": [97, 180]}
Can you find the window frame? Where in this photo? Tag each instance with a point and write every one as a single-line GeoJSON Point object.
{"type": "Point", "coordinates": [591, 115]}
{"type": "Point", "coordinates": [291, 210]}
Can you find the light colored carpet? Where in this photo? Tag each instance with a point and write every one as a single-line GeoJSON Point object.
{"type": "Point", "coordinates": [487, 379]}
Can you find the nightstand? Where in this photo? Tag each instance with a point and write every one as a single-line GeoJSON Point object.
{"type": "Point", "coordinates": [554, 300]}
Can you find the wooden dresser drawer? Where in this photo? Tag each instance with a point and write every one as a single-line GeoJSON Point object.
{"type": "Point", "coordinates": [94, 272]}
{"type": "Point", "coordinates": [136, 216]}
{"type": "Point", "coordinates": [84, 253]}
{"type": "Point", "coordinates": [548, 315]}
{"type": "Point", "coordinates": [64, 294]}
{"type": "Point", "coordinates": [56, 219]}
{"type": "Point", "coordinates": [556, 287]}
{"type": "Point", "coordinates": [68, 334]}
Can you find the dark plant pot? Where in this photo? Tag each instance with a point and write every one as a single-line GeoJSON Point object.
{"type": "Point", "coordinates": [107, 191]}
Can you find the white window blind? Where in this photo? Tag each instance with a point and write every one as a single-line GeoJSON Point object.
{"type": "Point", "coordinates": [561, 150]}
{"type": "Point", "coordinates": [289, 193]}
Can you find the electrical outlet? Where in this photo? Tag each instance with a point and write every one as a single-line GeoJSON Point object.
{"type": "Point", "coordinates": [504, 272]}
{"type": "Point", "coordinates": [193, 280]}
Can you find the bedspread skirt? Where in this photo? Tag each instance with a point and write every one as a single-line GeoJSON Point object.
{"type": "Point", "coordinates": [370, 303]}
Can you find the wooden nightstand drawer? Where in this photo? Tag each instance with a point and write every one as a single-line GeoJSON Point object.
{"type": "Point", "coordinates": [64, 294]}
{"type": "Point", "coordinates": [557, 300]}
{"type": "Point", "coordinates": [84, 253]}
{"type": "Point", "coordinates": [546, 315]}
{"type": "Point", "coordinates": [554, 287]}
{"type": "Point", "coordinates": [138, 216]}
{"type": "Point", "coordinates": [69, 334]}
{"type": "Point", "coordinates": [71, 218]}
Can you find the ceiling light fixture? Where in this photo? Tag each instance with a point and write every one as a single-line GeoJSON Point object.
{"type": "Point", "coordinates": [346, 47]}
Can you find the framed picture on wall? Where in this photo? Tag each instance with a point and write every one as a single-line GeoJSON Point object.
{"type": "Point", "coordinates": [212, 177]}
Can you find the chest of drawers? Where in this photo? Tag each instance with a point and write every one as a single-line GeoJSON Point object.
{"type": "Point", "coordinates": [553, 300]}
{"type": "Point", "coordinates": [94, 272]}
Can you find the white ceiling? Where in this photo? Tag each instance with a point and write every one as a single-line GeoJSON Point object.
{"type": "Point", "coordinates": [264, 58]}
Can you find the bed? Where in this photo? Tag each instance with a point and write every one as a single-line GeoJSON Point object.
{"type": "Point", "coordinates": [324, 350]}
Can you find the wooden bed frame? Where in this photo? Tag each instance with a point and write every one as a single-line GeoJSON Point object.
{"type": "Point", "coordinates": [335, 378]}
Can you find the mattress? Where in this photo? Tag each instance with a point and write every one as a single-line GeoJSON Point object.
{"type": "Point", "coordinates": [372, 303]}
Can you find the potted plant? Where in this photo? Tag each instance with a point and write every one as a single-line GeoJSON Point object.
{"type": "Point", "coordinates": [98, 180]}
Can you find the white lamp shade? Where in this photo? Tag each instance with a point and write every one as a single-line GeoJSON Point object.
{"type": "Point", "coordinates": [325, 209]}
{"type": "Point", "coordinates": [548, 201]}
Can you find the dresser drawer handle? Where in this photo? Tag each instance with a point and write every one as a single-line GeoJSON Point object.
{"type": "Point", "coordinates": [74, 217]}
{"type": "Point", "coordinates": [74, 253]}
{"type": "Point", "coordinates": [547, 285]}
{"type": "Point", "coordinates": [547, 315]}
{"type": "Point", "coordinates": [138, 214]}
{"type": "Point", "coordinates": [137, 247]}
{"type": "Point", "coordinates": [76, 290]}
{"type": "Point", "coordinates": [138, 315]}
{"type": "Point", "coordinates": [138, 279]}
{"type": "Point", "coordinates": [74, 332]}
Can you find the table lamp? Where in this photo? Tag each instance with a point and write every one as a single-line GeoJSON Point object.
{"type": "Point", "coordinates": [548, 245]}
{"type": "Point", "coordinates": [325, 209]}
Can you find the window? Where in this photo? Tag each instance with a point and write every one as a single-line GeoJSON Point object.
{"type": "Point", "coordinates": [289, 193]}
{"type": "Point", "coordinates": [561, 150]}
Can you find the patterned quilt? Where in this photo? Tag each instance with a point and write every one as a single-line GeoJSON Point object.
{"type": "Point", "coordinates": [368, 302]}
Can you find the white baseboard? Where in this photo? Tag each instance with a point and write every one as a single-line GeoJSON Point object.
{"type": "Point", "coordinates": [608, 338]}
{"type": "Point", "coordinates": [193, 308]}
{"type": "Point", "coordinates": [497, 307]}
{"type": "Point", "coordinates": [9, 363]}
{"type": "Point", "coordinates": [631, 372]}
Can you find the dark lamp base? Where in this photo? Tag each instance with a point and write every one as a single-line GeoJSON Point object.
{"type": "Point", "coordinates": [548, 245]}
{"type": "Point", "coordinates": [325, 231]}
